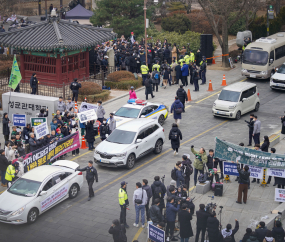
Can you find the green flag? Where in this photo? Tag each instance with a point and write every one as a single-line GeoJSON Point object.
{"type": "Point", "coordinates": [16, 76]}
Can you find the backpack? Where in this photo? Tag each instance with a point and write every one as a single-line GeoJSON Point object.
{"type": "Point", "coordinates": [157, 192]}
{"type": "Point", "coordinates": [279, 238]}
{"type": "Point", "coordinates": [189, 169]}
{"type": "Point", "coordinates": [173, 174]}
{"type": "Point", "coordinates": [156, 76]}
{"type": "Point", "coordinates": [174, 135]}
{"type": "Point", "coordinates": [122, 236]}
{"type": "Point", "coordinates": [146, 83]}
{"type": "Point", "coordinates": [178, 110]}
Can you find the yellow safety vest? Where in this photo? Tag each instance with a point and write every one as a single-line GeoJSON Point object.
{"type": "Point", "coordinates": [156, 66]}
{"type": "Point", "coordinates": [192, 57]}
{"type": "Point", "coordinates": [144, 69]}
{"type": "Point", "coordinates": [201, 63]}
{"type": "Point", "coordinates": [181, 62]}
{"type": "Point", "coordinates": [123, 196]}
{"type": "Point", "coordinates": [10, 173]}
{"type": "Point", "coordinates": [187, 59]}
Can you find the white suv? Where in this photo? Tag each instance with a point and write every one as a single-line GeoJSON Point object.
{"type": "Point", "coordinates": [277, 81]}
{"type": "Point", "coordinates": [129, 142]}
{"type": "Point", "coordinates": [236, 100]}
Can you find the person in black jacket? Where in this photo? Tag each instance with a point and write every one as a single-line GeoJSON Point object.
{"type": "Point", "coordinates": [74, 87]}
{"type": "Point", "coordinates": [158, 191]}
{"type": "Point", "coordinates": [148, 87]}
{"type": "Point", "coordinates": [175, 136]}
{"type": "Point", "coordinates": [247, 234]}
{"type": "Point", "coordinates": [6, 129]}
{"type": "Point", "coordinates": [213, 228]}
{"type": "Point", "coordinates": [264, 147]}
{"type": "Point", "coordinates": [186, 165]}
{"type": "Point", "coordinates": [90, 134]}
{"type": "Point", "coordinates": [202, 217]}
{"type": "Point", "coordinates": [104, 129]}
{"type": "Point", "coordinates": [243, 183]}
{"type": "Point", "coordinates": [229, 232]}
{"type": "Point", "coordinates": [250, 127]}
{"type": "Point", "coordinates": [155, 213]}
{"type": "Point", "coordinates": [116, 229]}
{"type": "Point", "coordinates": [91, 173]}
{"type": "Point", "coordinates": [196, 80]}
{"type": "Point", "coordinates": [34, 83]}
{"type": "Point", "coordinates": [198, 57]}
{"type": "Point", "coordinates": [203, 70]}
{"type": "Point", "coordinates": [261, 231]}
{"type": "Point", "coordinates": [210, 159]}
{"type": "Point", "coordinates": [184, 218]}
{"type": "Point", "coordinates": [182, 96]}
{"type": "Point", "coordinates": [4, 163]}
{"type": "Point", "coordinates": [43, 113]}
{"type": "Point", "coordinates": [278, 232]}
{"type": "Point", "coordinates": [178, 73]}
{"type": "Point", "coordinates": [148, 190]}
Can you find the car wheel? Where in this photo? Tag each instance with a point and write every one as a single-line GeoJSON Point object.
{"type": "Point", "coordinates": [73, 191]}
{"type": "Point", "coordinates": [158, 146]}
{"type": "Point", "coordinates": [256, 107]}
{"type": "Point", "coordinates": [32, 215]}
{"type": "Point", "coordinates": [161, 120]}
{"type": "Point", "coordinates": [131, 161]}
{"type": "Point", "coordinates": [238, 115]}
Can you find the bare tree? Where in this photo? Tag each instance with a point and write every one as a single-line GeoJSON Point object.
{"type": "Point", "coordinates": [223, 9]}
{"type": "Point", "coordinates": [7, 7]}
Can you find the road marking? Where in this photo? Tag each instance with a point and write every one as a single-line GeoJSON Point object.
{"type": "Point", "coordinates": [138, 234]}
{"type": "Point", "coordinates": [192, 188]}
{"type": "Point", "coordinates": [76, 157]}
{"type": "Point", "coordinates": [2, 191]}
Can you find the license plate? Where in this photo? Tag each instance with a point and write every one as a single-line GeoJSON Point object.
{"type": "Point", "coordinates": [280, 85]}
{"type": "Point", "coordinates": [3, 218]}
{"type": "Point", "coordinates": [253, 76]}
{"type": "Point", "coordinates": [104, 161]}
{"type": "Point", "coordinates": [221, 112]}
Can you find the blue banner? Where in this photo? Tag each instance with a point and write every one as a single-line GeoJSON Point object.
{"type": "Point", "coordinates": [155, 234]}
{"type": "Point", "coordinates": [230, 169]}
{"type": "Point", "coordinates": [19, 120]}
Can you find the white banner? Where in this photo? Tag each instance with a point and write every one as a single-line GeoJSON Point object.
{"type": "Point", "coordinates": [87, 106]}
{"type": "Point", "coordinates": [256, 172]}
{"type": "Point", "coordinates": [87, 115]}
{"type": "Point", "coordinates": [54, 197]}
{"type": "Point", "coordinates": [41, 130]}
{"type": "Point", "coordinates": [276, 172]}
{"type": "Point", "coordinates": [279, 195]}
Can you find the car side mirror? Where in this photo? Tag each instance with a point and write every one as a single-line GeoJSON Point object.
{"type": "Point", "coordinates": [107, 135]}
{"type": "Point", "coordinates": [43, 193]}
{"type": "Point", "coordinates": [271, 61]}
{"type": "Point", "coordinates": [138, 141]}
{"type": "Point", "coordinates": [142, 116]}
{"type": "Point", "coordinates": [244, 99]}
{"type": "Point", "coordinates": [114, 112]}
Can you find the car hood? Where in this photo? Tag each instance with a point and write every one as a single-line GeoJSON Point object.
{"type": "Point", "coordinates": [279, 76]}
{"type": "Point", "coordinates": [12, 202]}
{"type": "Point", "coordinates": [122, 120]}
{"type": "Point", "coordinates": [111, 148]}
{"type": "Point", "coordinates": [224, 104]}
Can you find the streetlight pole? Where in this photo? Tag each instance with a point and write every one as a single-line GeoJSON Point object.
{"type": "Point", "coordinates": [145, 36]}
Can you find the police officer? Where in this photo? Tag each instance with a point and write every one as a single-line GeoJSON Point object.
{"type": "Point", "coordinates": [34, 83]}
{"type": "Point", "coordinates": [74, 86]}
{"type": "Point", "coordinates": [11, 172]}
{"type": "Point", "coordinates": [144, 71]}
{"type": "Point", "coordinates": [157, 66]}
{"type": "Point", "coordinates": [91, 173]}
{"type": "Point", "coordinates": [124, 202]}
{"type": "Point", "coordinates": [203, 70]}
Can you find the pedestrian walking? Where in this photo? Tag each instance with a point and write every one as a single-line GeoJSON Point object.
{"type": "Point", "coordinates": [184, 218]}
{"type": "Point", "coordinates": [4, 163]}
{"type": "Point", "coordinates": [250, 125]}
{"type": "Point", "coordinates": [179, 174]}
{"type": "Point", "coordinates": [229, 233]}
{"type": "Point", "coordinates": [61, 105]}
{"type": "Point", "coordinates": [100, 111]}
{"type": "Point", "coordinates": [177, 109]}
{"type": "Point", "coordinates": [90, 134]}
{"type": "Point", "coordinates": [132, 93]}
{"type": "Point", "coordinates": [112, 123]}
{"type": "Point", "coordinates": [118, 231]}
{"type": "Point", "coordinates": [155, 79]}
{"type": "Point", "coordinates": [144, 71]}
{"type": "Point", "coordinates": [185, 74]}
{"type": "Point", "coordinates": [124, 202]}
{"type": "Point", "coordinates": [201, 225]}
{"type": "Point", "coordinates": [91, 176]}
{"type": "Point", "coordinates": [243, 183]}
{"type": "Point", "coordinates": [6, 129]}
{"type": "Point", "coordinates": [203, 70]}
{"type": "Point", "coordinates": [187, 168]}
{"type": "Point", "coordinates": [158, 191]}
{"type": "Point", "coordinates": [74, 87]}
{"type": "Point", "coordinates": [171, 211]}
{"type": "Point", "coordinates": [256, 130]}
{"type": "Point", "coordinates": [139, 201]}
{"type": "Point", "coordinates": [104, 129]}
{"type": "Point", "coordinates": [34, 83]}
{"type": "Point", "coordinates": [175, 136]}
{"type": "Point", "coordinates": [148, 190]}
{"type": "Point", "coordinates": [178, 73]}
{"type": "Point", "coordinates": [148, 86]}
{"type": "Point", "coordinates": [200, 161]}
{"type": "Point", "coordinates": [166, 77]}
{"type": "Point", "coordinates": [196, 81]}
{"type": "Point", "coordinates": [182, 96]}
{"type": "Point", "coordinates": [283, 127]}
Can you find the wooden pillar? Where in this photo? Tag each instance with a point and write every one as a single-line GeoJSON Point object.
{"type": "Point", "coordinates": [58, 69]}
{"type": "Point", "coordinates": [22, 65]}
{"type": "Point", "coordinates": [87, 63]}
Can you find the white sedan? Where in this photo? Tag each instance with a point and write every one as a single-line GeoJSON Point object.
{"type": "Point", "coordinates": [39, 190]}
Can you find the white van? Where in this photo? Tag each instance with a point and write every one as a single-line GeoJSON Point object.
{"type": "Point", "coordinates": [236, 100]}
{"type": "Point", "coordinates": [261, 57]}
{"type": "Point", "coordinates": [277, 81]}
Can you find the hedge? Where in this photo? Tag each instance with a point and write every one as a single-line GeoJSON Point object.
{"type": "Point", "coordinates": [124, 85]}
{"type": "Point", "coordinates": [103, 96]}
{"type": "Point", "coordinates": [117, 75]}
{"type": "Point", "coordinates": [89, 88]}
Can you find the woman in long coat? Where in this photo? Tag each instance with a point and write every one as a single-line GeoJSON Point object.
{"type": "Point", "coordinates": [90, 134]}
{"type": "Point", "coordinates": [175, 136]}
{"type": "Point", "coordinates": [184, 218]}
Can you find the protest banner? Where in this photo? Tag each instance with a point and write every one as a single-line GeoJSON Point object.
{"type": "Point", "coordinates": [87, 106]}
{"type": "Point", "coordinates": [228, 151]}
{"type": "Point", "coordinates": [87, 115]}
{"type": "Point", "coordinates": [41, 130]}
{"type": "Point", "coordinates": [19, 120]}
{"type": "Point", "coordinates": [37, 121]}
{"type": "Point", "coordinates": [51, 152]}
{"type": "Point", "coordinates": [256, 172]}
{"type": "Point", "coordinates": [155, 234]}
{"type": "Point", "coordinates": [279, 195]}
{"type": "Point", "coordinates": [276, 172]}
{"type": "Point", "coordinates": [230, 169]}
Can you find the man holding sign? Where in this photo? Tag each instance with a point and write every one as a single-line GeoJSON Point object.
{"type": "Point", "coordinates": [243, 182]}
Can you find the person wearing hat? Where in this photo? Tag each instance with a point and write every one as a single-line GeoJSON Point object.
{"type": "Point", "coordinates": [100, 111]}
{"type": "Point", "coordinates": [133, 38]}
{"type": "Point", "coordinates": [74, 87]}
{"type": "Point", "coordinates": [144, 71]}
{"type": "Point", "coordinates": [4, 163]}
{"type": "Point", "coordinates": [124, 202]}
{"type": "Point", "coordinates": [34, 83]}
{"type": "Point", "coordinates": [91, 175]}
{"type": "Point", "coordinates": [11, 172]}
{"type": "Point", "coordinates": [132, 93]}
{"type": "Point", "coordinates": [112, 123]}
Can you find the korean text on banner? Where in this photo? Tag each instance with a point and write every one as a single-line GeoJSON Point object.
{"type": "Point", "coordinates": [256, 172]}
{"type": "Point", "coordinates": [276, 172]}
{"type": "Point", "coordinates": [15, 76]}
{"type": "Point", "coordinates": [87, 115]}
{"type": "Point", "coordinates": [155, 234]}
{"type": "Point", "coordinates": [19, 120]}
{"type": "Point", "coordinates": [41, 130]}
{"type": "Point", "coordinates": [279, 195]}
{"type": "Point", "coordinates": [230, 169]}
{"type": "Point", "coordinates": [87, 106]}
{"type": "Point", "coordinates": [37, 121]}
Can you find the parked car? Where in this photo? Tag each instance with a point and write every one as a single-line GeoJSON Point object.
{"type": "Point", "coordinates": [277, 81]}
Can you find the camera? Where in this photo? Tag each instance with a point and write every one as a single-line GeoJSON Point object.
{"type": "Point", "coordinates": [210, 207]}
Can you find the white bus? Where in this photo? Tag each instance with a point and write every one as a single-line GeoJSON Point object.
{"type": "Point", "coordinates": [260, 58]}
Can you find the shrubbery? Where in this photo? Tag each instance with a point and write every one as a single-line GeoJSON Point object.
{"type": "Point", "coordinates": [117, 75]}
{"type": "Point", "coordinates": [103, 96]}
{"type": "Point", "coordinates": [124, 83]}
{"type": "Point", "coordinates": [89, 88]}
{"type": "Point", "coordinates": [178, 23]}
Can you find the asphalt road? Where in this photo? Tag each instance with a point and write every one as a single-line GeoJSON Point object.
{"type": "Point", "coordinates": [79, 220]}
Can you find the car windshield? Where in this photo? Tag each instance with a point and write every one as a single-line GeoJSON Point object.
{"type": "Point", "coordinates": [121, 137]}
{"type": "Point", "coordinates": [230, 96]}
{"type": "Point", "coordinates": [127, 112]}
{"type": "Point", "coordinates": [25, 187]}
{"type": "Point", "coordinates": [281, 69]}
{"type": "Point", "coordinates": [255, 57]}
